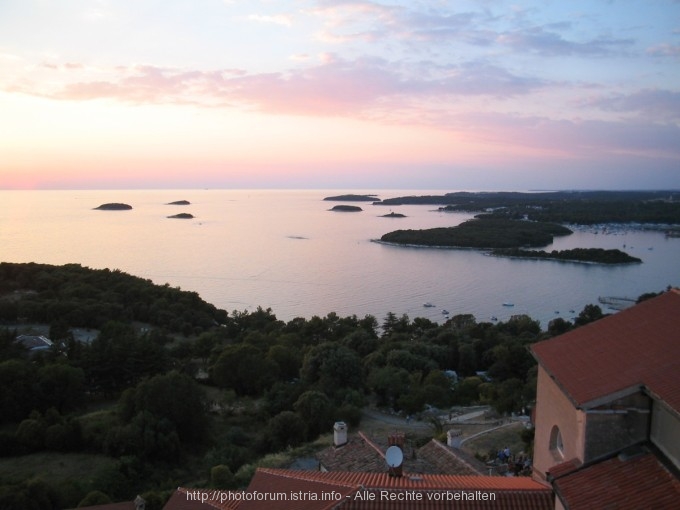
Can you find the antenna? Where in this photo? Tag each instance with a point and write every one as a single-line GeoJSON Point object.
{"type": "Point", "coordinates": [394, 457]}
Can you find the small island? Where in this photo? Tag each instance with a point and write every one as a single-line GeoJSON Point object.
{"type": "Point", "coordinates": [346, 208]}
{"type": "Point", "coordinates": [393, 215]}
{"type": "Point", "coordinates": [114, 207]}
{"type": "Point", "coordinates": [179, 202]}
{"type": "Point", "coordinates": [482, 233]}
{"type": "Point", "coordinates": [354, 198]}
{"type": "Point", "coordinates": [182, 216]}
{"type": "Point", "coordinates": [593, 255]}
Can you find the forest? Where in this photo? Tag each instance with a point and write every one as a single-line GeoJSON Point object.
{"type": "Point", "coordinates": [575, 207]}
{"type": "Point", "coordinates": [596, 255]}
{"type": "Point", "coordinates": [481, 232]}
{"type": "Point", "coordinates": [172, 391]}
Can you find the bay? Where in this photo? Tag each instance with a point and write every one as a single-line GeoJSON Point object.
{"type": "Point", "coordinates": [285, 250]}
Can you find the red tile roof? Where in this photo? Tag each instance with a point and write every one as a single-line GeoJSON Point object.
{"type": "Point", "coordinates": [564, 468]}
{"type": "Point", "coordinates": [636, 483]}
{"type": "Point", "coordinates": [194, 499]}
{"type": "Point", "coordinates": [446, 460]}
{"type": "Point", "coordinates": [638, 347]}
{"type": "Point", "coordinates": [358, 454]}
{"type": "Point", "coordinates": [275, 489]}
{"type": "Point", "coordinates": [123, 505]}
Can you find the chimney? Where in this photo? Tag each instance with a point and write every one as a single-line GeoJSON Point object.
{"type": "Point", "coordinates": [397, 439]}
{"type": "Point", "coordinates": [139, 502]}
{"type": "Point", "coordinates": [339, 434]}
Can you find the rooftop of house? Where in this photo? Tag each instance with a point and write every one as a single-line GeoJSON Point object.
{"type": "Point", "coordinates": [358, 454]}
{"type": "Point", "coordinates": [363, 453]}
{"type": "Point", "coordinates": [274, 489]}
{"type": "Point", "coordinates": [620, 354]}
{"type": "Point", "coordinates": [123, 505]}
{"type": "Point", "coordinates": [34, 342]}
{"type": "Point", "coordinates": [637, 480]}
{"type": "Point", "coordinates": [137, 503]}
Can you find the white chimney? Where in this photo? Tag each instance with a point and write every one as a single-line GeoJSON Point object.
{"type": "Point", "coordinates": [339, 433]}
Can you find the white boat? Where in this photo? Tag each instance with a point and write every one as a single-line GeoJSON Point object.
{"type": "Point", "coordinates": [428, 305]}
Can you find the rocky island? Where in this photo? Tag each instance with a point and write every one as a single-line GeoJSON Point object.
{"type": "Point", "coordinates": [346, 208]}
{"type": "Point", "coordinates": [182, 216]}
{"type": "Point", "coordinates": [393, 215]}
{"type": "Point", "coordinates": [179, 202]}
{"type": "Point", "coordinates": [353, 198]}
{"type": "Point", "coordinates": [593, 255]}
{"type": "Point", "coordinates": [114, 207]}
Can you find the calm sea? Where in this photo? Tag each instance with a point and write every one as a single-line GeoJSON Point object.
{"type": "Point", "coordinates": [285, 250]}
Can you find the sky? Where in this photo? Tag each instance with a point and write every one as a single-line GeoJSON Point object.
{"type": "Point", "coordinates": [418, 94]}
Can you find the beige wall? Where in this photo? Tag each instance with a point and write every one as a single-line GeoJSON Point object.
{"type": "Point", "coordinates": [554, 408]}
{"type": "Point", "coordinates": [665, 432]}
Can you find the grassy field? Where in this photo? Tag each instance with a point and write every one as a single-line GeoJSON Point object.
{"type": "Point", "coordinates": [54, 467]}
{"type": "Point", "coordinates": [496, 440]}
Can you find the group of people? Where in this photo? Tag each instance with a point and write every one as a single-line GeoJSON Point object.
{"type": "Point", "coordinates": [519, 465]}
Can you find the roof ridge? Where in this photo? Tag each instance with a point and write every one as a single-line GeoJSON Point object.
{"type": "Point", "coordinates": [371, 443]}
{"type": "Point", "coordinates": [450, 452]}
{"type": "Point", "coordinates": [309, 476]}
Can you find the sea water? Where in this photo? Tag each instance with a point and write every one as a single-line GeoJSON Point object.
{"type": "Point", "coordinates": [285, 250]}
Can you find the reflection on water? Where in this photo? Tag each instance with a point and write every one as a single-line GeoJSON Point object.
{"type": "Point", "coordinates": [287, 251]}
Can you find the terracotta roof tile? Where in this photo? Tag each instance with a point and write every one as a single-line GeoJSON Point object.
{"type": "Point", "coordinates": [359, 454]}
{"type": "Point", "coordinates": [316, 490]}
{"type": "Point", "coordinates": [637, 347]}
{"type": "Point", "coordinates": [511, 492]}
{"type": "Point", "coordinates": [640, 482]}
{"type": "Point", "coordinates": [193, 499]}
{"type": "Point", "coordinates": [123, 505]}
{"type": "Point", "coordinates": [446, 460]}
{"type": "Point", "coordinates": [564, 468]}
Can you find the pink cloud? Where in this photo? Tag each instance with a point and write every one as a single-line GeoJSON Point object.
{"type": "Point", "coordinates": [664, 50]}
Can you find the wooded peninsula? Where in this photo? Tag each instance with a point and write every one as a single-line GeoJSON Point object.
{"type": "Point", "coordinates": [508, 222]}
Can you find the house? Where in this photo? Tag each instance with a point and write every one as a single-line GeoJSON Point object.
{"type": "Point", "coordinates": [137, 504]}
{"type": "Point", "coordinates": [34, 343]}
{"type": "Point", "coordinates": [284, 489]}
{"type": "Point", "coordinates": [362, 453]}
{"type": "Point", "coordinates": [608, 410]}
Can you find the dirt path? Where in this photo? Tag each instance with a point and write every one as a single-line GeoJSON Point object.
{"type": "Point", "coordinates": [375, 420]}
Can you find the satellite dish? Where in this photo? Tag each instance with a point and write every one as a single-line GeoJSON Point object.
{"type": "Point", "coordinates": [394, 456]}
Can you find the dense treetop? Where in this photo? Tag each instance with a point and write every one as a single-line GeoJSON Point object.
{"type": "Point", "coordinates": [481, 232]}
{"type": "Point", "coordinates": [577, 207]}
{"type": "Point", "coordinates": [84, 297]}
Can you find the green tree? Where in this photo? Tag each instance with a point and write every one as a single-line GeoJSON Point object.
{"type": "Point", "coordinates": [388, 383]}
{"type": "Point", "coordinates": [316, 411]}
{"type": "Point", "coordinates": [331, 367]}
{"type": "Point", "coordinates": [17, 390]}
{"type": "Point", "coordinates": [285, 429]}
{"type": "Point", "coordinates": [288, 359]}
{"type": "Point", "coordinates": [590, 313]}
{"type": "Point", "coordinates": [94, 498]}
{"type": "Point", "coordinates": [173, 396]}
{"type": "Point", "coordinates": [467, 391]}
{"type": "Point", "coordinates": [221, 477]}
{"type": "Point", "coordinates": [61, 386]}
{"type": "Point", "coordinates": [245, 369]}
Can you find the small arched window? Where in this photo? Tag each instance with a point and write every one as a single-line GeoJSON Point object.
{"type": "Point", "coordinates": [556, 444]}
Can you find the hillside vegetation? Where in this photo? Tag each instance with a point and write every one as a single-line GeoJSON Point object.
{"type": "Point", "coordinates": [198, 396]}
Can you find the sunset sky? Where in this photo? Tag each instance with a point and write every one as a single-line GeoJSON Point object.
{"type": "Point", "coordinates": [340, 94]}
